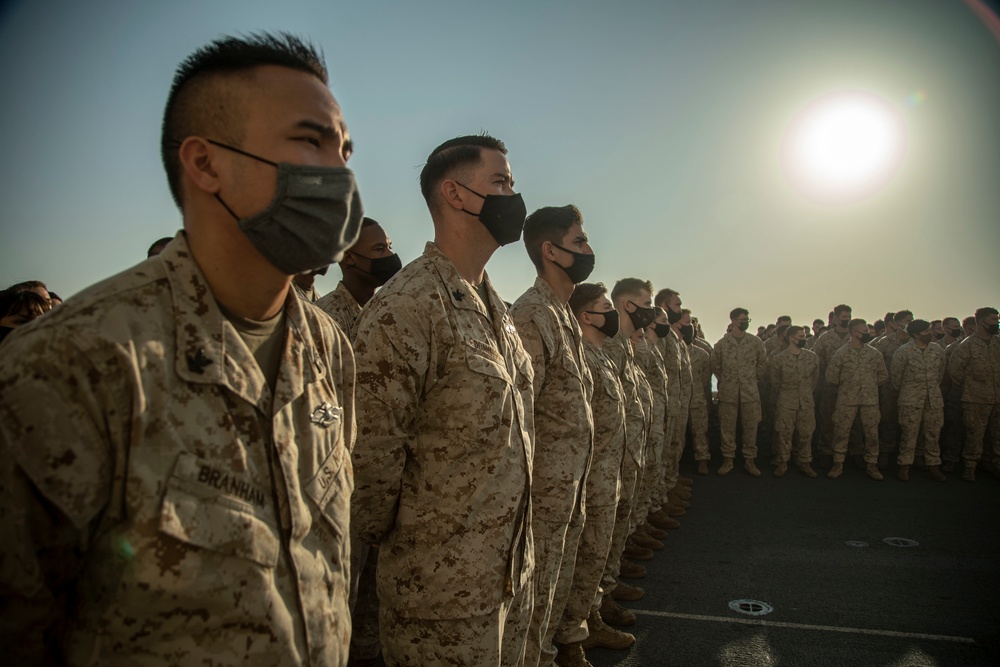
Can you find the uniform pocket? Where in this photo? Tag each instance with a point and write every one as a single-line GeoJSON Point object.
{"type": "Point", "coordinates": [219, 511]}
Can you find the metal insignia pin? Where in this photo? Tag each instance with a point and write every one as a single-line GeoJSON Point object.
{"type": "Point", "coordinates": [325, 415]}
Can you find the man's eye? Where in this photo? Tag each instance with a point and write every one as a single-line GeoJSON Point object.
{"type": "Point", "coordinates": [310, 140]}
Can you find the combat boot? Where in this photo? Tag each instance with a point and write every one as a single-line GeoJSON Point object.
{"type": "Point", "coordinates": [904, 473]}
{"type": "Point", "coordinates": [673, 510]}
{"type": "Point", "coordinates": [602, 636]}
{"type": "Point", "coordinates": [836, 471]}
{"type": "Point", "coordinates": [627, 593]}
{"type": "Point", "coordinates": [571, 655]}
{"type": "Point", "coordinates": [727, 466]}
{"type": "Point", "coordinates": [641, 538]}
{"type": "Point", "coordinates": [703, 467]}
{"type": "Point", "coordinates": [677, 501]}
{"type": "Point", "coordinates": [969, 474]}
{"type": "Point", "coordinates": [807, 470]}
{"type": "Point", "coordinates": [615, 614]}
{"type": "Point", "coordinates": [780, 469]}
{"type": "Point", "coordinates": [686, 481]}
{"type": "Point", "coordinates": [656, 533]}
{"type": "Point", "coordinates": [883, 461]}
{"type": "Point", "coordinates": [635, 552]}
{"type": "Point", "coordinates": [936, 474]}
{"type": "Point", "coordinates": [751, 467]}
{"type": "Point", "coordinates": [661, 519]}
{"type": "Point", "coordinates": [872, 471]}
{"type": "Point", "coordinates": [681, 492]}
{"type": "Point", "coordinates": [631, 570]}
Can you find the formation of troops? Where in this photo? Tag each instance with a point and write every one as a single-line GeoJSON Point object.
{"type": "Point", "coordinates": [200, 465]}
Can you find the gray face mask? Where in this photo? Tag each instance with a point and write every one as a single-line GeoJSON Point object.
{"type": "Point", "coordinates": [314, 217]}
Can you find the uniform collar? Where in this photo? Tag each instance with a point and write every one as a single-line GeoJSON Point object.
{"type": "Point", "coordinates": [210, 350]}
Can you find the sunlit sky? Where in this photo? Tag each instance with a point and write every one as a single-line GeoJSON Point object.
{"type": "Point", "coordinates": [662, 121]}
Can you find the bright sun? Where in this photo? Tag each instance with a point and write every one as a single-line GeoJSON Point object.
{"type": "Point", "coordinates": [843, 147]}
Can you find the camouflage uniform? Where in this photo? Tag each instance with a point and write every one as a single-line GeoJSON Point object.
{"type": "Point", "coordinates": [670, 351]}
{"type": "Point", "coordinates": [675, 446]}
{"type": "Point", "coordinates": [603, 482]}
{"type": "Point", "coordinates": [739, 363]}
{"type": "Point", "coordinates": [916, 374]}
{"type": "Point", "coordinates": [793, 379]}
{"type": "Point", "coordinates": [826, 394]}
{"type": "Point", "coordinates": [160, 502]}
{"type": "Point", "coordinates": [619, 351]}
{"type": "Point", "coordinates": [564, 436]}
{"type": "Point", "coordinates": [856, 373]}
{"type": "Point", "coordinates": [975, 366]}
{"type": "Point", "coordinates": [640, 509]}
{"type": "Point", "coordinates": [701, 376]}
{"type": "Point", "coordinates": [888, 406]}
{"type": "Point", "coordinates": [648, 357]}
{"type": "Point", "coordinates": [443, 466]}
{"type": "Point", "coordinates": [953, 431]}
{"type": "Point", "coordinates": [342, 307]}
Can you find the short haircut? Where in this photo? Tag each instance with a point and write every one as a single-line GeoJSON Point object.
{"type": "Point", "coordinates": [842, 308]}
{"type": "Point", "coordinates": [28, 285]}
{"type": "Point", "coordinates": [889, 317]}
{"type": "Point", "coordinates": [933, 322]}
{"type": "Point", "coordinates": [687, 311]}
{"type": "Point", "coordinates": [458, 154]}
{"type": "Point", "coordinates": [13, 301]}
{"type": "Point", "coordinates": [793, 330]}
{"type": "Point", "coordinates": [584, 296]}
{"type": "Point", "coordinates": [879, 325]}
{"type": "Point", "coordinates": [156, 244]}
{"type": "Point", "coordinates": [200, 104]}
{"type": "Point", "coordinates": [784, 318]}
{"type": "Point", "coordinates": [736, 312]}
{"type": "Point", "coordinates": [551, 224]}
{"type": "Point", "coordinates": [664, 296]}
{"type": "Point", "coordinates": [902, 315]}
{"type": "Point", "coordinates": [369, 222]}
{"type": "Point", "coordinates": [54, 297]}
{"type": "Point", "coordinates": [818, 322]}
{"type": "Point", "coordinates": [856, 322]}
{"type": "Point", "coordinates": [982, 313]}
{"type": "Point", "coordinates": [971, 319]}
{"type": "Point", "coordinates": [949, 319]}
{"type": "Point", "coordinates": [769, 328]}
{"type": "Point", "coordinates": [629, 286]}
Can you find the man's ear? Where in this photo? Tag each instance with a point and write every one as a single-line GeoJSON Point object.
{"type": "Point", "coordinates": [197, 162]}
{"type": "Point", "coordinates": [451, 194]}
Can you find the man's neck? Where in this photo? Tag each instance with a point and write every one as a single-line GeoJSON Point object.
{"type": "Point", "coordinates": [794, 349]}
{"type": "Point", "coordinates": [241, 280]}
{"type": "Point", "coordinates": [921, 345]}
{"type": "Point", "coordinates": [983, 334]}
{"type": "Point", "coordinates": [469, 258]}
{"type": "Point", "coordinates": [856, 343]}
{"type": "Point", "coordinates": [593, 335]}
{"type": "Point", "coordinates": [558, 281]}
{"type": "Point", "coordinates": [358, 287]}
{"type": "Point", "coordinates": [738, 333]}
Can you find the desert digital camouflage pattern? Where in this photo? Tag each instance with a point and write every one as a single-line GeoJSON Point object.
{"type": "Point", "coordinates": [649, 359]}
{"type": "Point", "coordinates": [564, 437]}
{"type": "Point", "coordinates": [701, 376]}
{"type": "Point", "coordinates": [342, 307]}
{"type": "Point", "coordinates": [856, 373]}
{"type": "Point", "coordinates": [974, 367]}
{"type": "Point", "coordinates": [739, 364]}
{"type": "Point", "coordinates": [444, 450]}
{"type": "Point", "coordinates": [916, 374]}
{"type": "Point", "coordinates": [678, 435]}
{"type": "Point", "coordinates": [201, 519]}
{"type": "Point", "coordinates": [793, 379]}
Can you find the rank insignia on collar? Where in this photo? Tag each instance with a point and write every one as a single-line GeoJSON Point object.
{"type": "Point", "coordinates": [198, 361]}
{"type": "Point", "coordinates": [458, 294]}
{"type": "Point", "coordinates": [326, 414]}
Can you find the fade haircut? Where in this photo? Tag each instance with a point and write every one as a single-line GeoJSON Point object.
{"type": "Point", "coordinates": [842, 308]}
{"type": "Point", "coordinates": [736, 312]}
{"type": "Point", "coordinates": [585, 295]}
{"type": "Point", "coordinates": [455, 155]}
{"type": "Point", "coordinates": [664, 296]}
{"type": "Point", "coordinates": [950, 319]}
{"type": "Point", "coordinates": [783, 318]}
{"type": "Point", "coordinates": [982, 313]}
{"type": "Point", "coordinates": [855, 323]}
{"type": "Point", "coordinates": [201, 104]}
{"type": "Point", "coordinates": [551, 224]}
{"type": "Point", "coordinates": [628, 287]}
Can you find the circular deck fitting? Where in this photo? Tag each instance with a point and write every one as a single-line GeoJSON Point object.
{"type": "Point", "coordinates": [751, 607]}
{"type": "Point", "coordinates": [901, 542]}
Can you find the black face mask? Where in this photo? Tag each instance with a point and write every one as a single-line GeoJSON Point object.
{"type": "Point", "coordinates": [610, 326]}
{"type": "Point", "coordinates": [938, 336]}
{"type": "Point", "coordinates": [954, 333]}
{"type": "Point", "coordinates": [642, 317]}
{"type": "Point", "coordinates": [661, 329]}
{"type": "Point", "coordinates": [674, 316]}
{"type": "Point", "coordinates": [382, 268]}
{"type": "Point", "coordinates": [992, 329]}
{"type": "Point", "coordinates": [843, 323]}
{"type": "Point", "coordinates": [582, 267]}
{"type": "Point", "coordinates": [687, 333]}
{"type": "Point", "coordinates": [502, 215]}
{"type": "Point", "coordinates": [743, 326]}
{"type": "Point", "coordinates": [865, 338]}
{"type": "Point", "coordinates": [801, 343]}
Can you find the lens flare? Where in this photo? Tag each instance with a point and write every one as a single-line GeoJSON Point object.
{"type": "Point", "coordinates": [843, 147]}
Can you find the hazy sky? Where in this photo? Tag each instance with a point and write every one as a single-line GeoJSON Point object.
{"type": "Point", "coordinates": [662, 121]}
